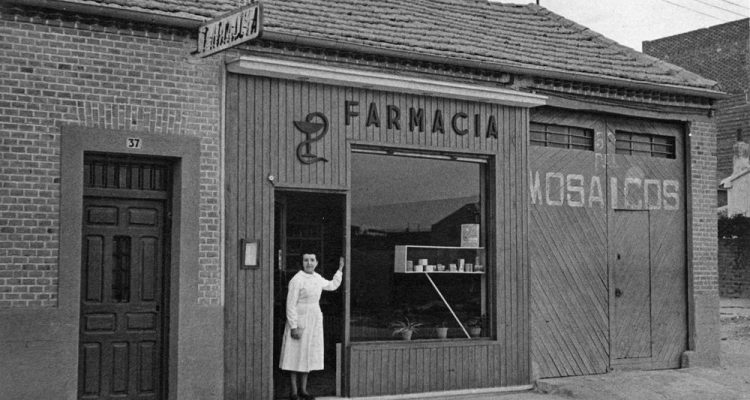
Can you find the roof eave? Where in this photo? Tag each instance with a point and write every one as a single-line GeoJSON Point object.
{"type": "Point", "coordinates": [540, 72]}
{"type": "Point", "coordinates": [193, 22]}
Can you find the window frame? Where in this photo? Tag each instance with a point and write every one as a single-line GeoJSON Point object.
{"type": "Point", "coordinates": [568, 132]}
{"type": "Point", "coordinates": [623, 136]}
{"type": "Point", "coordinates": [488, 166]}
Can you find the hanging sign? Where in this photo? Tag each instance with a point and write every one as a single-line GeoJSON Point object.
{"type": "Point", "coordinates": [230, 29]}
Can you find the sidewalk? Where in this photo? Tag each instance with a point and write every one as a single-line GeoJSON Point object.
{"type": "Point", "coordinates": [730, 381]}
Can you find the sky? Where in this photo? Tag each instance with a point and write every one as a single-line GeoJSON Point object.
{"type": "Point", "coordinates": [630, 22]}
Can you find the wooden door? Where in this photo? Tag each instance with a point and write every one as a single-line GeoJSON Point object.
{"type": "Point", "coordinates": [122, 299]}
{"type": "Point", "coordinates": [631, 279]}
{"type": "Point", "coordinates": [567, 242]}
{"type": "Point", "coordinates": [645, 182]}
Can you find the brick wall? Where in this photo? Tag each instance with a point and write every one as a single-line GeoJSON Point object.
{"type": "Point", "coordinates": [60, 69]}
{"type": "Point", "coordinates": [721, 53]}
{"type": "Point", "coordinates": [704, 220]}
{"type": "Point", "coordinates": [734, 267]}
{"type": "Point", "coordinates": [703, 282]}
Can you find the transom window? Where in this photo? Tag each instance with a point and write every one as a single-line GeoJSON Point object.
{"type": "Point", "coordinates": [644, 144]}
{"type": "Point", "coordinates": [564, 137]}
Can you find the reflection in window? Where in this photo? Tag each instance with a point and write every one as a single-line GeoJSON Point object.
{"type": "Point", "coordinates": [416, 202]}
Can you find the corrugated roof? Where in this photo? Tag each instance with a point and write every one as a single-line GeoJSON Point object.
{"type": "Point", "coordinates": [526, 36]}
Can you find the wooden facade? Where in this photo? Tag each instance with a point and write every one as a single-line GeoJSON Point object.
{"type": "Point", "coordinates": [608, 248]}
{"type": "Point", "coordinates": [261, 141]}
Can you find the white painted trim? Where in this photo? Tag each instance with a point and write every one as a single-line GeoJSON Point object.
{"type": "Point", "coordinates": [285, 69]}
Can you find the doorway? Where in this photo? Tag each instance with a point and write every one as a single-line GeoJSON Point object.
{"type": "Point", "coordinates": [122, 344]}
{"type": "Point", "coordinates": [309, 222]}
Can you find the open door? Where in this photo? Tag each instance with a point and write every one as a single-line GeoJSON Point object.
{"type": "Point", "coordinates": [309, 221]}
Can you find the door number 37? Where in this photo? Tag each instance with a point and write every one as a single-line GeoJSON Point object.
{"type": "Point", "coordinates": [134, 143]}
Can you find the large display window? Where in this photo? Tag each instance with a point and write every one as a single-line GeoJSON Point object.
{"type": "Point", "coordinates": [418, 232]}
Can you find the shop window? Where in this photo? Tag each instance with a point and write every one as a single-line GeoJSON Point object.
{"type": "Point", "coordinates": [417, 231]}
{"type": "Point", "coordinates": [642, 144]}
{"type": "Point", "coordinates": [564, 137]}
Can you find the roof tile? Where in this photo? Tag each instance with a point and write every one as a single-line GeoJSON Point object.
{"type": "Point", "coordinates": [472, 30]}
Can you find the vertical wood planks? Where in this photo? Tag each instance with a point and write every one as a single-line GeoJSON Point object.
{"type": "Point", "coordinates": [397, 368]}
{"type": "Point", "coordinates": [572, 294]}
{"type": "Point", "coordinates": [262, 140]}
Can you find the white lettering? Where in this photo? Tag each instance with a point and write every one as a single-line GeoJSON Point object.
{"type": "Point", "coordinates": [574, 188]}
{"type": "Point", "coordinates": [637, 193]}
{"type": "Point", "coordinates": [613, 192]}
{"type": "Point", "coordinates": [671, 191]}
{"type": "Point", "coordinates": [560, 178]}
{"type": "Point", "coordinates": [595, 192]}
{"type": "Point", "coordinates": [627, 194]}
{"type": "Point", "coordinates": [647, 198]}
{"type": "Point", "coordinates": [535, 188]}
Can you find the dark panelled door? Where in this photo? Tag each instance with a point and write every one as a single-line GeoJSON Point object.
{"type": "Point", "coordinates": [122, 299]}
{"type": "Point", "coordinates": [631, 319]}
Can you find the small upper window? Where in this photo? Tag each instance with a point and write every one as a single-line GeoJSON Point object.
{"type": "Point", "coordinates": [564, 137]}
{"type": "Point", "coordinates": [643, 144]}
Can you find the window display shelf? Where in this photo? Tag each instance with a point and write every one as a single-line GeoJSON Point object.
{"type": "Point", "coordinates": [429, 260]}
{"type": "Point", "coordinates": [414, 259]}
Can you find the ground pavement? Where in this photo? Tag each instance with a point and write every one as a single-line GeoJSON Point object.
{"type": "Point", "coordinates": [730, 381]}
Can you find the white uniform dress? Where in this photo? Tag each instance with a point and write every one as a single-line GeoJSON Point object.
{"type": "Point", "coordinates": [303, 311]}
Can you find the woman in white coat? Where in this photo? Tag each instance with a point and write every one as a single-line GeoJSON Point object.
{"type": "Point", "coordinates": [302, 345]}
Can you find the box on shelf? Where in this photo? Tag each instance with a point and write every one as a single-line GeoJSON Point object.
{"type": "Point", "coordinates": [438, 259]}
{"type": "Point", "coordinates": [469, 235]}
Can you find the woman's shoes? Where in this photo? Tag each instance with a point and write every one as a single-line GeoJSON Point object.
{"type": "Point", "coordinates": [306, 396]}
{"type": "Point", "coordinates": [294, 397]}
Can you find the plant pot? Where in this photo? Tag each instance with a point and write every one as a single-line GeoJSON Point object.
{"type": "Point", "coordinates": [442, 332]}
{"type": "Point", "coordinates": [406, 335]}
{"type": "Point", "coordinates": [475, 331]}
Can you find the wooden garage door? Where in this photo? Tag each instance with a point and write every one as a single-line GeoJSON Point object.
{"type": "Point", "coordinates": [568, 236]}
{"type": "Point", "coordinates": [647, 174]}
{"type": "Point", "coordinates": [607, 243]}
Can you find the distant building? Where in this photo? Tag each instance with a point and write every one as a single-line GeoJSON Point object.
{"type": "Point", "coordinates": [737, 185]}
{"type": "Point", "coordinates": [721, 53]}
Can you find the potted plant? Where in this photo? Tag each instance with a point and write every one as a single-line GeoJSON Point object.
{"type": "Point", "coordinates": [475, 325]}
{"type": "Point", "coordinates": [405, 328]}
{"type": "Point", "coordinates": [442, 330]}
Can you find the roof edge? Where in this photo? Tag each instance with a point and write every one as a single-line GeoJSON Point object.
{"type": "Point", "coordinates": [500, 67]}
{"type": "Point", "coordinates": [193, 22]}
{"type": "Point", "coordinates": [151, 17]}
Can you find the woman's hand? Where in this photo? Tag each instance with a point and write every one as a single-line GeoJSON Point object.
{"type": "Point", "coordinates": [296, 333]}
{"type": "Point", "coordinates": [341, 263]}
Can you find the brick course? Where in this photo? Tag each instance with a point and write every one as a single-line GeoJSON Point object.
{"type": "Point", "coordinates": [704, 219]}
{"type": "Point", "coordinates": [61, 69]}
{"type": "Point", "coordinates": [734, 267]}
